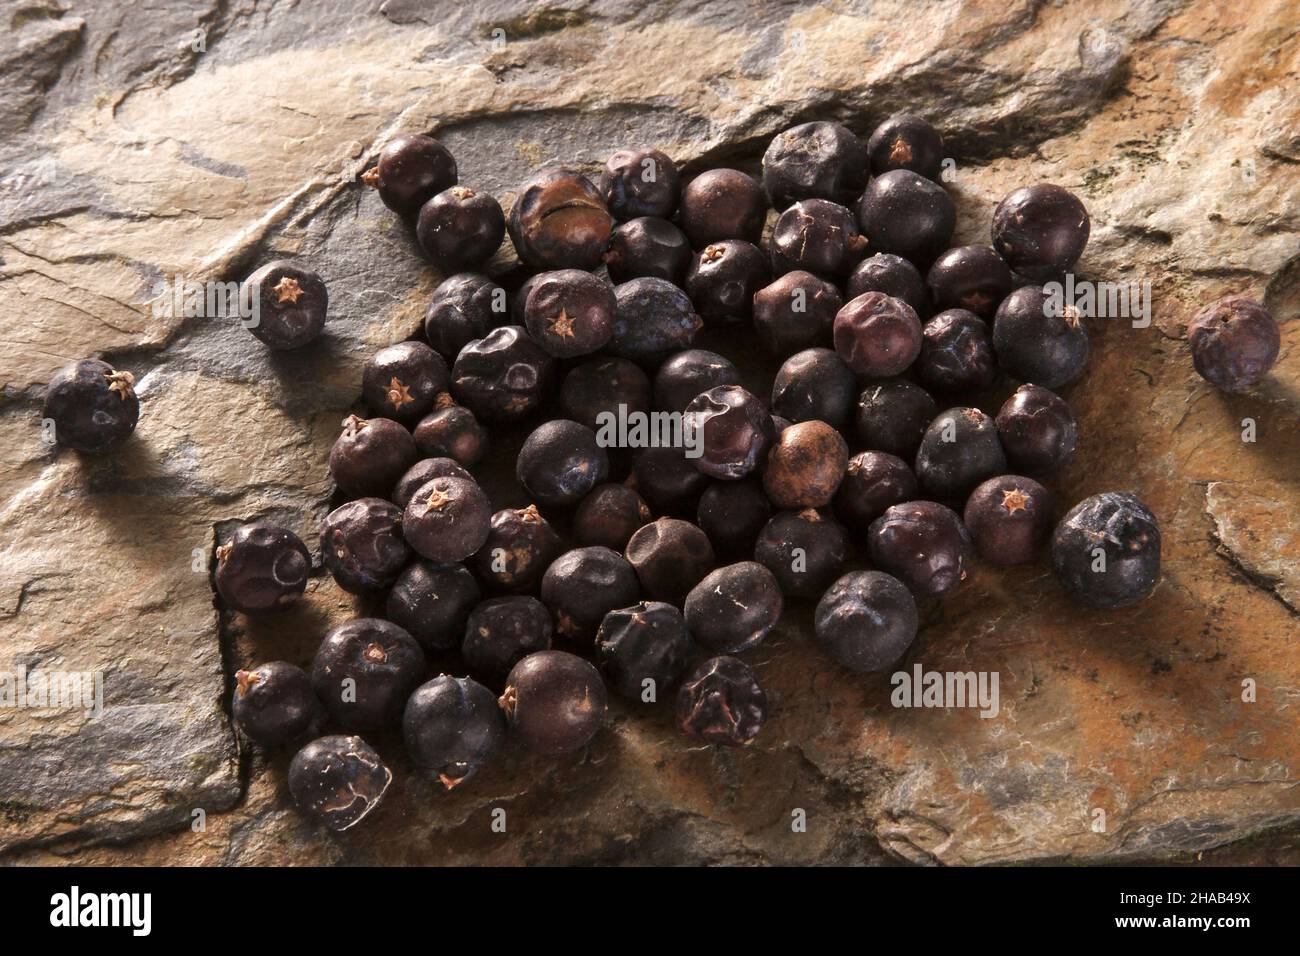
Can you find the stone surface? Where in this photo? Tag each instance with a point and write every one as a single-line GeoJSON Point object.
{"type": "Point", "coordinates": [197, 140]}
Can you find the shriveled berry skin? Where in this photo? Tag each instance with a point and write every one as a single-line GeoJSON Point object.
{"type": "Point", "coordinates": [907, 215]}
{"type": "Point", "coordinates": [364, 670]}
{"type": "Point", "coordinates": [1008, 518]}
{"type": "Point", "coordinates": [720, 702]}
{"type": "Point", "coordinates": [733, 514]}
{"type": "Point", "coordinates": [583, 585]}
{"type": "Point", "coordinates": [412, 169]}
{"type": "Point", "coordinates": [960, 449]}
{"type": "Point", "coordinates": [723, 279]}
{"type": "Point", "coordinates": [609, 516]}
{"type": "Point", "coordinates": [1234, 343]}
{"type": "Point", "coordinates": [815, 383]}
{"type": "Point", "coordinates": [906, 141]}
{"type": "Point", "coordinates": [520, 547]}
{"type": "Point", "coordinates": [639, 182]}
{"type": "Point", "coordinates": [648, 247]}
{"type": "Point", "coordinates": [338, 781]}
{"type": "Point", "coordinates": [733, 431]}
{"type": "Point", "coordinates": [974, 278]}
{"type": "Point", "coordinates": [423, 472]}
{"type": "Point", "coordinates": [402, 381]}
{"type": "Point", "coordinates": [806, 550]}
{"type": "Point", "coordinates": [601, 385]}
{"type": "Point", "coordinates": [668, 480]}
{"type": "Point", "coordinates": [670, 557]}
{"type": "Point", "coordinates": [923, 544]}
{"type": "Point", "coordinates": [554, 701]}
{"type": "Point", "coordinates": [818, 160]}
{"type": "Point", "coordinates": [291, 303]}
{"type": "Point", "coordinates": [1106, 551]}
{"type": "Point", "coordinates": [956, 353]}
{"type": "Point", "coordinates": [559, 221]}
{"type": "Point", "coordinates": [1036, 346]}
{"type": "Point", "coordinates": [796, 312]}
{"type": "Point", "coordinates": [819, 236]}
{"type": "Point", "coordinates": [432, 602]}
{"type": "Point", "coordinates": [866, 621]}
{"type": "Point", "coordinates": [1038, 430]}
{"type": "Point", "coordinates": [722, 204]}
{"type": "Point", "coordinates": [892, 275]}
{"type": "Point", "coordinates": [452, 727]}
{"type": "Point", "coordinates": [689, 374]}
{"type": "Point", "coordinates": [805, 466]}
{"type": "Point", "coordinates": [735, 607]}
{"type": "Point", "coordinates": [502, 377]}
{"type": "Point", "coordinates": [261, 567]}
{"type": "Point", "coordinates": [1040, 231]}
{"type": "Point", "coordinates": [362, 544]}
{"type": "Point", "coordinates": [877, 335]}
{"type": "Point", "coordinates": [451, 431]}
{"type": "Point", "coordinates": [93, 406]}
{"type": "Point", "coordinates": [873, 482]}
{"type": "Point", "coordinates": [560, 462]}
{"type": "Point", "coordinates": [447, 520]}
{"type": "Point", "coordinates": [370, 455]}
{"type": "Point", "coordinates": [274, 704]}
{"type": "Point", "coordinates": [464, 307]}
{"type": "Point", "coordinates": [653, 318]}
{"type": "Point", "coordinates": [893, 415]}
{"type": "Point", "coordinates": [643, 649]}
{"type": "Point", "coordinates": [460, 228]}
{"type": "Point", "coordinates": [502, 631]}
{"type": "Point", "coordinates": [569, 312]}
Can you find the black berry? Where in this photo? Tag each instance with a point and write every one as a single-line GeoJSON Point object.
{"type": "Point", "coordinates": [819, 236]}
{"type": "Point", "coordinates": [520, 547]}
{"type": "Point", "coordinates": [554, 702]}
{"type": "Point", "coordinates": [818, 160]}
{"type": "Point", "coordinates": [362, 544]}
{"type": "Point", "coordinates": [93, 407]}
{"type": "Point", "coordinates": [733, 430]}
{"type": "Point", "coordinates": [1040, 231]}
{"type": "Point", "coordinates": [1008, 518]}
{"type": "Point", "coordinates": [338, 780]}
{"type": "Point", "coordinates": [670, 557]}
{"type": "Point", "coordinates": [892, 275]}
{"type": "Point", "coordinates": [688, 374]}
{"type": "Point", "coordinates": [960, 449]}
{"type": "Point", "coordinates": [452, 727]}
{"type": "Point", "coordinates": [1106, 551]}
{"type": "Point", "coordinates": [639, 182]}
{"type": "Point", "coordinates": [609, 516]}
{"type": "Point", "coordinates": [733, 608]}
{"type": "Point", "coordinates": [956, 353]}
{"type": "Point", "coordinates": [906, 141]}
{"type": "Point", "coordinates": [652, 320]}
{"type": "Point", "coordinates": [460, 228]}
{"type": "Point", "coordinates": [569, 312]}
{"type": "Point", "coordinates": [866, 621]}
{"type": "Point", "coordinates": [806, 550]}
{"type": "Point", "coordinates": [261, 567]}
{"type": "Point", "coordinates": [907, 215]}
{"type": "Point", "coordinates": [720, 702]}
{"type": "Point", "coordinates": [722, 204]}
{"type": "Point", "coordinates": [432, 602]}
{"type": "Point", "coordinates": [923, 544]}
{"type": "Point", "coordinates": [401, 381]}
{"type": "Point", "coordinates": [464, 307]}
{"type": "Point", "coordinates": [364, 670]}
{"type": "Point", "coordinates": [411, 171]}
{"type": "Point", "coordinates": [601, 385]}
{"type": "Point", "coordinates": [969, 277]}
{"type": "Point", "coordinates": [423, 472]}
{"type": "Point", "coordinates": [559, 221]}
{"type": "Point", "coordinates": [873, 481]}
{"type": "Point", "coordinates": [723, 279]}
{"type": "Point", "coordinates": [796, 312]}
{"type": "Point", "coordinates": [1037, 430]}
{"type": "Point", "coordinates": [1036, 344]}
{"type": "Point", "coordinates": [370, 455]}
{"type": "Point", "coordinates": [502, 631]}
{"type": "Point", "coordinates": [893, 415]}
{"type": "Point", "coordinates": [805, 466]}
{"type": "Point", "coordinates": [503, 376]}
{"type": "Point", "coordinates": [643, 649]}
{"type": "Point", "coordinates": [291, 304]}
{"type": "Point", "coordinates": [877, 335]}
{"type": "Point", "coordinates": [733, 514]}
{"type": "Point", "coordinates": [648, 247]}
{"type": "Point", "coordinates": [447, 519]}
{"type": "Point", "coordinates": [583, 585]}
{"type": "Point", "coordinates": [274, 704]}
{"type": "Point", "coordinates": [1234, 343]}
{"type": "Point", "coordinates": [815, 383]}
{"type": "Point", "coordinates": [451, 431]}
{"type": "Point", "coordinates": [668, 480]}
{"type": "Point", "coordinates": [560, 462]}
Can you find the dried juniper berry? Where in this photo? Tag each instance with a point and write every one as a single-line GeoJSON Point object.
{"type": "Point", "coordinates": [956, 353]}
{"type": "Point", "coordinates": [818, 160]}
{"type": "Point", "coordinates": [451, 431]}
{"type": "Point", "coordinates": [362, 545]}
{"type": "Point", "coordinates": [873, 481]}
{"type": "Point", "coordinates": [643, 649]}
{"type": "Point", "coordinates": [432, 602]}
{"type": "Point", "coordinates": [969, 277]}
{"type": "Point", "coordinates": [733, 514]}
{"type": "Point", "coordinates": [815, 383]}
{"type": "Point", "coordinates": [370, 455]}
{"type": "Point", "coordinates": [452, 726]}
{"type": "Point", "coordinates": [502, 631]}
{"type": "Point", "coordinates": [560, 462]}
{"type": "Point", "coordinates": [412, 169]}
{"type": "Point", "coordinates": [720, 702]}
{"type": "Point", "coordinates": [1106, 551]}
{"type": "Point", "coordinates": [806, 550]}
{"type": "Point", "coordinates": [554, 701]}
{"type": "Point", "coordinates": [261, 567]}
{"type": "Point", "coordinates": [1234, 343]}
{"type": "Point", "coordinates": [1038, 430]}
{"type": "Point", "coordinates": [688, 374]}
{"type": "Point", "coordinates": [734, 607]}
{"type": "Point", "coordinates": [728, 431]}
{"type": "Point", "coordinates": [796, 312]}
{"type": "Point", "coordinates": [639, 182]}
{"type": "Point", "coordinates": [819, 236]}
{"type": "Point", "coordinates": [877, 335]}
{"type": "Point", "coordinates": [338, 781]}
{"type": "Point", "coordinates": [423, 472]}
{"type": "Point", "coordinates": [609, 516]}
{"type": "Point", "coordinates": [569, 312]}
{"type": "Point", "coordinates": [907, 215]}
{"type": "Point", "coordinates": [959, 450]}
{"type": "Point", "coordinates": [91, 406]}
{"type": "Point", "coordinates": [923, 544]}
{"type": "Point", "coordinates": [906, 141]}
{"type": "Point", "coordinates": [447, 519]}
{"type": "Point", "coordinates": [583, 585]}
{"type": "Point", "coordinates": [559, 221]}
{"type": "Point", "coordinates": [274, 704]}
{"type": "Point", "coordinates": [601, 385]}
{"type": "Point", "coordinates": [464, 307]}
{"type": "Point", "coordinates": [805, 466]}
{"type": "Point", "coordinates": [520, 547]}
{"type": "Point", "coordinates": [723, 279]}
{"type": "Point", "coordinates": [1008, 518]}
{"type": "Point", "coordinates": [502, 377]}
{"type": "Point", "coordinates": [648, 247]}
{"type": "Point", "coordinates": [460, 228]}
{"type": "Point", "coordinates": [893, 415]}
{"type": "Point", "coordinates": [653, 318]}
{"type": "Point", "coordinates": [892, 275]}
{"type": "Point", "coordinates": [668, 480]}
{"type": "Point", "coordinates": [866, 621]}
{"type": "Point", "coordinates": [722, 204]}
{"type": "Point", "coordinates": [401, 381]}
{"type": "Point", "coordinates": [364, 670]}
{"type": "Point", "coordinates": [1040, 231]}
{"type": "Point", "coordinates": [1038, 339]}
{"type": "Point", "coordinates": [670, 557]}
{"type": "Point", "coordinates": [290, 304]}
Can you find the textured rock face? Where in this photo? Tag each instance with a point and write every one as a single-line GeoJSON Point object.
{"type": "Point", "coordinates": [198, 141]}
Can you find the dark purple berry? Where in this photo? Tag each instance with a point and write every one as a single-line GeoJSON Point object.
{"type": "Point", "coordinates": [670, 557]}
{"type": "Point", "coordinates": [1037, 430]}
{"type": "Point", "coordinates": [815, 383]}
{"type": "Point", "coordinates": [520, 547]}
{"type": "Point", "coordinates": [805, 466]}
{"type": "Point", "coordinates": [503, 631]}
{"type": "Point", "coordinates": [1008, 518]}
{"type": "Point", "coordinates": [722, 204]}
{"type": "Point", "coordinates": [648, 247]}
{"type": "Point", "coordinates": [720, 702]}
{"type": "Point", "coordinates": [806, 550]}
{"type": "Point", "coordinates": [893, 415]}
{"type": "Point", "coordinates": [956, 353]}
{"type": "Point", "coordinates": [432, 602]}
{"type": "Point", "coordinates": [877, 335]}
{"type": "Point", "coordinates": [502, 377]}
{"type": "Point", "coordinates": [892, 275]}
{"type": "Point", "coordinates": [959, 450]}
{"type": "Point", "coordinates": [569, 312]}
{"type": "Point", "coordinates": [274, 704]}
{"type": "Point", "coordinates": [559, 221]}
{"type": "Point", "coordinates": [364, 671]}
{"type": "Point", "coordinates": [866, 621]}
{"type": "Point", "coordinates": [401, 381]}
{"type": "Point", "coordinates": [423, 472]}
{"type": "Point", "coordinates": [796, 312]}
{"type": "Point", "coordinates": [609, 516]}
{"type": "Point", "coordinates": [451, 431]}
{"type": "Point", "coordinates": [412, 169]}
{"type": "Point", "coordinates": [370, 456]}
{"type": "Point", "coordinates": [1234, 343]}
{"type": "Point", "coordinates": [668, 480]}
{"type": "Point", "coordinates": [1106, 551]}
{"type": "Point", "coordinates": [452, 726]}
{"type": "Point", "coordinates": [601, 385]}
{"type": "Point", "coordinates": [460, 228]}
{"type": "Point", "coordinates": [583, 585]}
{"type": "Point", "coordinates": [689, 374]}
{"type": "Point", "coordinates": [1040, 231]}
{"type": "Point", "coordinates": [818, 160]}
{"type": "Point", "coordinates": [639, 182]}
{"type": "Point", "coordinates": [652, 320]}
{"type": "Point", "coordinates": [906, 141]}
{"type": "Point", "coordinates": [734, 607]}
{"type": "Point", "coordinates": [337, 781]}
{"type": "Point", "coordinates": [723, 279]}
{"type": "Point", "coordinates": [1037, 341]}
{"type": "Point", "coordinates": [290, 304]}
{"type": "Point", "coordinates": [554, 702]}
{"type": "Point", "coordinates": [923, 544]}
{"type": "Point", "coordinates": [819, 236]}
{"type": "Point", "coordinates": [261, 567]}
{"type": "Point", "coordinates": [560, 462]}
{"type": "Point", "coordinates": [907, 215]}
{"type": "Point", "coordinates": [643, 649]}
{"type": "Point", "coordinates": [732, 430]}
{"type": "Point", "coordinates": [362, 545]}
{"type": "Point", "coordinates": [92, 406]}
{"type": "Point", "coordinates": [447, 520]}
{"type": "Point", "coordinates": [969, 277]}
{"type": "Point", "coordinates": [464, 307]}
{"type": "Point", "coordinates": [873, 482]}
{"type": "Point", "coordinates": [732, 514]}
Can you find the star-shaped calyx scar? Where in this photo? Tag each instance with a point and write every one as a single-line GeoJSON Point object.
{"type": "Point", "coordinates": [1013, 499]}
{"type": "Point", "coordinates": [436, 500]}
{"type": "Point", "coordinates": [900, 152]}
{"type": "Point", "coordinates": [398, 394]}
{"type": "Point", "coordinates": [287, 290]}
{"type": "Point", "coordinates": [371, 178]}
{"type": "Point", "coordinates": [562, 325]}
{"type": "Point", "coordinates": [244, 680]}
{"type": "Point", "coordinates": [121, 383]}
{"type": "Point", "coordinates": [712, 254]}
